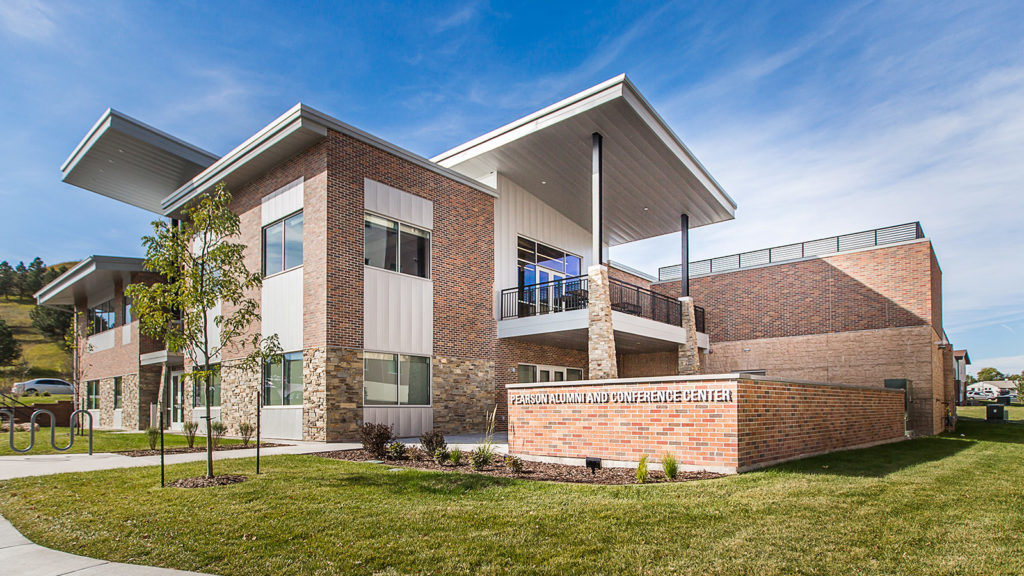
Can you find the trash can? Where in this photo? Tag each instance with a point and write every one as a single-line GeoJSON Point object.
{"type": "Point", "coordinates": [1004, 400]}
{"type": "Point", "coordinates": [995, 413]}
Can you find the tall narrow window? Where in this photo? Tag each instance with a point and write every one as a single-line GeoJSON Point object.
{"type": "Point", "coordinates": [199, 392]}
{"type": "Point", "coordinates": [282, 383]}
{"type": "Point", "coordinates": [282, 245]}
{"type": "Point", "coordinates": [101, 317]}
{"type": "Point", "coordinates": [396, 247]}
{"type": "Point", "coordinates": [92, 395]}
{"type": "Point", "coordinates": [127, 309]}
{"type": "Point", "coordinates": [117, 392]}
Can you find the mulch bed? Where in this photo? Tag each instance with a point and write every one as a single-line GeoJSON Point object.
{"type": "Point", "coordinates": [187, 450]}
{"type": "Point", "coordinates": [531, 470]}
{"type": "Point", "coordinates": [204, 482]}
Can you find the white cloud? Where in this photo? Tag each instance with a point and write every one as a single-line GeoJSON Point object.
{"type": "Point", "coordinates": [1005, 364]}
{"type": "Point", "coordinates": [27, 19]}
{"type": "Point", "coordinates": [460, 17]}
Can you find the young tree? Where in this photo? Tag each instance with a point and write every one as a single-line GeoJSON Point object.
{"type": "Point", "coordinates": [8, 280]}
{"type": "Point", "coordinates": [50, 320]}
{"type": "Point", "coordinates": [203, 267]}
{"type": "Point", "coordinates": [10, 349]}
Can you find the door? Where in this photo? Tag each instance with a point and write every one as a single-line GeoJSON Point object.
{"type": "Point", "coordinates": [550, 289]}
{"type": "Point", "coordinates": [176, 400]}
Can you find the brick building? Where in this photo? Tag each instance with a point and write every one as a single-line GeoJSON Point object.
{"type": "Point", "coordinates": [413, 291]}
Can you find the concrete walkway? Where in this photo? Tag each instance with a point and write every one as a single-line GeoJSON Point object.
{"type": "Point", "coordinates": [42, 465]}
{"type": "Point", "coordinates": [18, 555]}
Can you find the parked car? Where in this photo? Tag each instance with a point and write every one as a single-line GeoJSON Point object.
{"type": "Point", "coordinates": [41, 385]}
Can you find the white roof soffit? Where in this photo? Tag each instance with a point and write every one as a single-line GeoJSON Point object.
{"type": "Point", "coordinates": [92, 276]}
{"type": "Point", "coordinates": [645, 164]}
{"type": "Point", "coordinates": [130, 161]}
{"type": "Point", "coordinates": [292, 132]}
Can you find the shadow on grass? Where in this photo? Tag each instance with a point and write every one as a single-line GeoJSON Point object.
{"type": "Point", "coordinates": [886, 459]}
{"type": "Point", "coordinates": [412, 482]}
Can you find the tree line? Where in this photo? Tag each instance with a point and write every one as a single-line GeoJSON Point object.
{"type": "Point", "coordinates": [21, 282]}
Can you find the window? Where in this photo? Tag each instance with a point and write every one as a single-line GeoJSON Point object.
{"type": "Point", "coordinates": [282, 382]}
{"type": "Point", "coordinates": [534, 254]}
{"type": "Point", "coordinates": [117, 392]}
{"type": "Point", "coordinates": [395, 380]}
{"type": "Point", "coordinates": [101, 317]}
{"type": "Point", "coordinates": [92, 395]}
{"type": "Point", "coordinates": [396, 247]}
{"type": "Point", "coordinates": [282, 245]}
{"type": "Point", "coordinates": [530, 373]}
{"type": "Point", "coordinates": [199, 395]}
{"type": "Point", "coordinates": [127, 310]}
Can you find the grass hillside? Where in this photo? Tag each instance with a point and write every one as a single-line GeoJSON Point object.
{"type": "Point", "coordinates": [41, 356]}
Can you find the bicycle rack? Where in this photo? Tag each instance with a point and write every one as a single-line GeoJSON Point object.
{"type": "Point", "coordinates": [53, 430]}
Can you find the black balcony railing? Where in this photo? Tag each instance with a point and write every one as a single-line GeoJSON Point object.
{"type": "Point", "coordinates": [698, 318]}
{"type": "Point", "coordinates": [544, 298]}
{"type": "Point", "coordinates": [637, 301]}
{"type": "Point", "coordinates": [821, 247]}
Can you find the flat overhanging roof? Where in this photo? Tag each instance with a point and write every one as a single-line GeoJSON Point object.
{"type": "Point", "coordinates": [130, 161]}
{"type": "Point", "coordinates": [650, 176]}
{"type": "Point", "coordinates": [94, 275]}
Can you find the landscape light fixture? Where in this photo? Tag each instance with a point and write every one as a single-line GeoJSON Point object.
{"type": "Point", "coordinates": [594, 464]}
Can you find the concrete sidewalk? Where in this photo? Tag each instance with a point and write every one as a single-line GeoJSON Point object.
{"type": "Point", "coordinates": [18, 555]}
{"type": "Point", "coordinates": [42, 465]}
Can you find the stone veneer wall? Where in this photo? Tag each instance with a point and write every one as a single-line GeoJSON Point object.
{"type": "Point", "coordinates": [130, 402]}
{"type": "Point", "coordinates": [148, 393]}
{"type": "Point", "coordinates": [344, 394]}
{"type": "Point", "coordinates": [107, 402]}
{"type": "Point", "coordinates": [238, 395]}
{"type": "Point", "coordinates": [463, 394]}
{"type": "Point", "coordinates": [689, 360]}
{"type": "Point", "coordinates": [601, 335]}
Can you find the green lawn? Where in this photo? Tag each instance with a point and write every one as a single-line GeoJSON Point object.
{"type": "Point", "coordinates": [1014, 413]}
{"type": "Point", "coordinates": [52, 399]}
{"type": "Point", "coordinates": [942, 505]}
{"type": "Point", "coordinates": [103, 441]}
{"type": "Point", "coordinates": [43, 357]}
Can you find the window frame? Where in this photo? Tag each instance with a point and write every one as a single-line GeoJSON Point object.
{"type": "Point", "coordinates": [264, 381]}
{"type": "Point", "coordinates": [398, 381]}
{"type": "Point", "coordinates": [92, 317]}
{"type": "Point", "coordinates": [118, 392]}
{"type": "Point", "coordinates": [92, 400]}
{"type": "Point", "coordinates": [199, 399]}
{"type": "Point", "coordinates": [399, 225]}
{"type": "Point", "coordinates": [283, 221]}
{"type": "Point", "coordinates": [523, 260]}
{"type": "Point", "coordinates": [564, 370]}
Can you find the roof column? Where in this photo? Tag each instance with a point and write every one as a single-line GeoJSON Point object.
{"type": "Point", "coordinates": [597, 222]}
{"type": "Point", "coordinates": [684, 269]}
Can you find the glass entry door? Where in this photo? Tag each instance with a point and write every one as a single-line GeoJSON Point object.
{"type": "Point", "coordinates": [176, 399]}
{"type": "Point", "coordinates": [550, 289]}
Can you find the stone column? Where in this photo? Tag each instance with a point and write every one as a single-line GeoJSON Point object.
{"type": "Point", "coordinates": [601, 337]}
{"type": "Point", "coordinates": [689, 361]}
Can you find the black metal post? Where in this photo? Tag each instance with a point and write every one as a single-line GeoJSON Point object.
{"type": "Point", "coordinates": [596, 189]}
{"type": "Point", "coordinates": [684, 270]}
{"type": "Point", "coordinates": [259, 404]}
{"type": "Point", "coordinates": [160, 405]}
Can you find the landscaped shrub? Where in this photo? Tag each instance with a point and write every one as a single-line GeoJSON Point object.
{"type": "Point", "coordinates": [218, 429]}
{"type": "Point", "coordinates": [190, 428]}
{"type": "Point", "coordinates": [514, 464]}
{"type": "Point", "coordinates": [669, 465]}
{"type": "Point", "coordinates": [246, 430]}
{"type": "Point", "coordinates": [641, 470]}
{"type": "Point", "coordinates": [455, 456]}
{"type": "Point", "coordinates": [480, 458]}
{"type": "Point", "coordinates": [396, 450]}
{"type": "Point", "coordinates": [415, 453]}
{"type": "Point", "coordinates": [375, 438]}
{"type": "Point", "coordinates": [433, 441]}
{"type": "Point", "coordinates": [153, 435]}
{"type": "Point", "coordinates": [441, 456]}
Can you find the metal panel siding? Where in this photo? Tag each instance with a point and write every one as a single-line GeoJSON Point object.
{"type": "Point", "coordinates": [392, 202]}
{"type": "Point", "coordinates": [213, 330]}
{"type": "Point", "coordinates": [281, 422]}
{"type": "Point", "coordinates": [520, 213]}
{"type": "Point", "coordinates": [282, 308]}
{"type": "Point", "coordinates": [282, 202]}
{"type": "Point", "coordinates": [406, 421]}
{"type": "Point", "coordinates": [399, 313]}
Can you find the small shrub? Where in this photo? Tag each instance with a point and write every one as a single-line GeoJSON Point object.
{"type": "Point", "coordinates": [669, 465]}
{"type": "Point", "coordinates": [441, 456]}
{"type": "Point", "coordinates": [480, 458]}
{"type": "Point", "coordinates": [415, 453]}
{"type": "Point", "coordinates": [433, 441]}
{"type": "Point", "coordinates": [190, 428]}
{"type": "Point", "coordinates": [514, 464]}
{"type": "Point", "coordinates": [455, 456]}
{"type": "Point", "coordinates": [46, 393]}
{"type": "Point", "coordinates": [641, 470]}
{"type": "Point", "coordinates": [218, 429]}
{"type": "Point", "coordinates": [375, 438]}
{"type": "Point", "coordinates": [153, 435]}
{"type": "Point", "coordinates": [396, 450]}
{"type": "Point", "coordinates": [246, 430]}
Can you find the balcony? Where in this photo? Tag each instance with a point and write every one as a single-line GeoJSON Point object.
{"type": "Point", "coordinates": [569, 294]}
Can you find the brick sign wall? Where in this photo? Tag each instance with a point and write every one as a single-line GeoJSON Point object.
{"type": "Point", "coordinates": [717, 424]}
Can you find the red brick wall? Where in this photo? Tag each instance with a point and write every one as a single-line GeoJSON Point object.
{"type": "Point", "coordinates": [648, 364]}
{"type": "Point", "coordinates": [766, 422]}
{"type": "Point", "coordinates": [783, 420]}
{"type": "Point", "coordinates": [885, 287]}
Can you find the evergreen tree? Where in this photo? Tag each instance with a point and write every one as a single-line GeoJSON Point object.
{"type": "Point", "coordinates": [10, 349]}
{"type": "Point", "coordinates": [51, 321]}
{"type": "Point", "coordinates": [20, 271]}
{"type": "Point", "coordinates": [34, 276]}
{"type": "Point", "coordinates": [8, 280]}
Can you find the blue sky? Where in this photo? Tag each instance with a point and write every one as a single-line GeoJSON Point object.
{"type": "Point", "coordinates": [818, 118]}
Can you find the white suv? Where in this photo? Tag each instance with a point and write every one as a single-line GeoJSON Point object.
{"type": "Point", "coordinates": [41, 385]}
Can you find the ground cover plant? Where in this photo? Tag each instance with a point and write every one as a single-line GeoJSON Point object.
{"type": "Point", "coordinates": [103, 441]}
{"type": "Point", "coordinates": [938, 505]}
